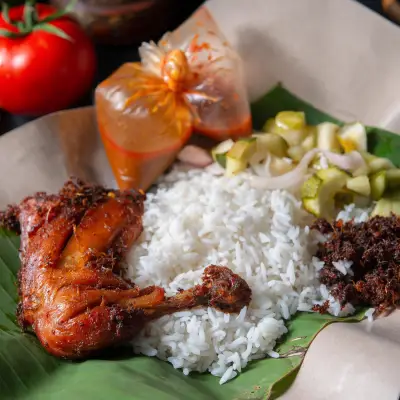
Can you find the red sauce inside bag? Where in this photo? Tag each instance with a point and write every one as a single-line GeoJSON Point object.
{"type": "Point", "coordinates": [147, 111]}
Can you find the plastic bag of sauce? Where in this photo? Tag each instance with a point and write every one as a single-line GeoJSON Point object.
{"type": "Point", "coordinates": [147, 111]}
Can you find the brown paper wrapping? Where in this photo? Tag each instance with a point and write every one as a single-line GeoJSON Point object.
{"type": "Point", "coordinates": [42, 154]}
{"type": "Point", "coordinates": [337, 55]}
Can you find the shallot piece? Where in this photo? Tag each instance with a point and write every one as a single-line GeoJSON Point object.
{"type": "Point", "coordinates": [195, 156]}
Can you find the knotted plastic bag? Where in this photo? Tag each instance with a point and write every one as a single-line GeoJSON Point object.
{"type": "Point", "coordinates": [146, 112]}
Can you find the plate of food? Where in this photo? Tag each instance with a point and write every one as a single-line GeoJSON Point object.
{"type": "Point", "coordinates": [213, 283]}
{"type": "Point", "coordinates": [214, 319]}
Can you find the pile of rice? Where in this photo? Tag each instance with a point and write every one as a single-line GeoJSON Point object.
{"type": "Point", "coordinates": [197, 218]}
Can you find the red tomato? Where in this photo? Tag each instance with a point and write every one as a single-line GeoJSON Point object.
{"type": "Point", "coordinates": [41, 71]}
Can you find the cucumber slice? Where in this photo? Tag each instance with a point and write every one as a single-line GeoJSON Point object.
{"type": "Point", "coordinates": [323, 203]}
{"type": "Point", "coordinates": [379, 164]}
{"type": "Point", "coordinates": [359, 185]}
{"type": "Point", "coordinates": [243, 149]}
{"type": "Point", "coordinates": [296, 153]}
{"type": "Point", "coordinates": [310, 187]}
{"type": "Point", "coordinates": [293, 137]}
{"type": "Point", "coordinates": [270, 126]}
{"type": "Point", "coordinates": [333, 185]}
{"type": "Point", "coordinates": [219, 152]}
{"type": "Point", "coordinates": [290, 120]}
{"type": "Point", "coordinates": [290, 125]}
{"type": "Point", "coordinates": [313, 206]}
{"type": "Point", "coordinates": [395, 207]}
{"type": "Point", "coordinates": [327, 137]}
{"type": "Point", "coordinates": [353, 137]}
{"type": "Point", "coordinates": [383, 208]}
{"type": "Point", "coordinates": [376, 164]}
{"type": "Point", "coordinates": [368, 157]}
{"type": "Point", "coordinates": [386, 206]}
{"type": "Point", "coordinates": [378, 184]}
{"type": "Point", "coordinates": [309, 142]}
{"type": "Point", "coordinates": [270, 143]}
{"type": "Point", "coordinates": [238, 156]}
{"type": "Point", "coordinates": [332, 173]}
{"type": "Point", "coordinates": [393, 178]}
{"type": "Point", "coordinates": [220, 159]}
{"type": "Point", "coordinates": [234, 166]}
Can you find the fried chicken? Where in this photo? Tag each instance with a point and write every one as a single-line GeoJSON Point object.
{"type": "Point", "coordinates": [72, 252]}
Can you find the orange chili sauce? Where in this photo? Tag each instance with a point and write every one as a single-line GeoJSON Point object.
{"type": "Point", "coordinates": [143, 125]}
{"type": "Point", "coordinates": [138, 170]}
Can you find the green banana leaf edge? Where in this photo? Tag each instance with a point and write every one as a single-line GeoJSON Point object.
{"type": "Point", "coordinates": [28, 372]}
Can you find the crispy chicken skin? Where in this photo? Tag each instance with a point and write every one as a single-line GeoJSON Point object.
{"type": "Point", "coordinates": [72, 249]}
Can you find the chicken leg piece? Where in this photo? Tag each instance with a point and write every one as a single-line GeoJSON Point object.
{"type": "Point", "coordinates": [71, 290]}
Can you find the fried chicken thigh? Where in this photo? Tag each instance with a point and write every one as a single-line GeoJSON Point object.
{"type": "Point", "coordinates": [71, 290]}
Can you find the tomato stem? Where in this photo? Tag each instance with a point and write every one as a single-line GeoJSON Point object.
{"type": "Point", "coordinates": [4, 12]}
{"type": "Point", "coordinates": [32, 23]}
{"type": "Point", "coordinates": [30, 15]}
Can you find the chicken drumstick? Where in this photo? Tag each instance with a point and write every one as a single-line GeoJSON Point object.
{"type": "Point", "coordinates": [72, 248]}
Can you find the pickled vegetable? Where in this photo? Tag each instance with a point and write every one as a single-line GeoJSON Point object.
{"type": "Point", "coordinates": [313, 206]}
{"type": "Point", "coordinates": [293, 137]}
{"type": "Point", "coordinates": [235, 166]}
{"type": "Point", "coordinates": [239, 155]}
{"type": "Point", "coordinates": [291, 120]}
{"type": "Point", "coordinates": [378, 184]}
{"type": "Point", "coordinates": [296, 153]}
{"type": "Point", "coordinates": [359, 185]}
{"type": "Point", "coordinates": [359, 177]}
{"type": "Point", "coordinates": [271, 143]}
{"type": "Point", "coordinates": [353, 137]}
{"type": "Point", "coordinates": [219, 152]}
{"type": "Point", "coordinates": [379, 164]}
{"type": "Point", "coordinates": [327, 137]}
{"type": "Point", "coordinates": [309, 142]}
{"type": "Point", "coordinates": [386, 206]}
{"type": "Point", "coordinates": [331, 174]}
{"type": "Point", "coordinates": [291, 125]}
{"type": "Point", "coordinates": [310, 187]}
{"type": "Point", "coordinates": [328, 183]}
{"type": "Point", "coordinates": [270, 126]}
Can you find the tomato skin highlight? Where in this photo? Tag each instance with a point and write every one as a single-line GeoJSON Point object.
{"type": "Point", "coordinates": [42, 72]}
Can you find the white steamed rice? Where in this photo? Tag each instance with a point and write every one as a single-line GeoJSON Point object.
{"type": "Point", "coordinates": [197, 218]}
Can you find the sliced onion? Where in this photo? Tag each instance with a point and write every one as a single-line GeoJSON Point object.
{"type": "Point", "coordinates": [352, 161]}
{"type": "Point", "coordinates": [195, 156]}
{"type": "Point", "coordinates": [280, 166]}
{"type": "Point", "coordinates": [262, 169]}
{"type": "Point", "coordinates": [289, 179]}
{"type": "Point", "coordinates": [272, 166]}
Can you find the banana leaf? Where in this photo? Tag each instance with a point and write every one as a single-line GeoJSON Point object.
{"type": "Point", "coordinates": [28, 372]}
